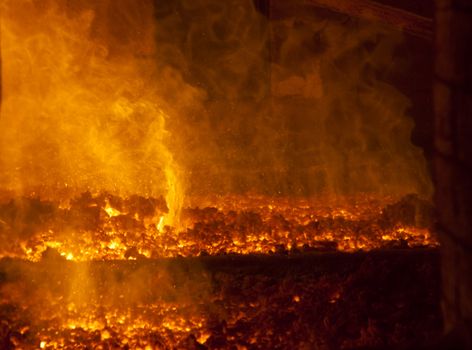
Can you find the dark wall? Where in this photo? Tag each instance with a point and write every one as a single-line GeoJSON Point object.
{"type": "Point", "coordinates": [453, 160]}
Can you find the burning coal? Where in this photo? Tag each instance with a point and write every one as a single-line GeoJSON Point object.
{"type": "Point", "coordinates": [105, 227]}
{"type": "Point", "coordinates": [146, 130]}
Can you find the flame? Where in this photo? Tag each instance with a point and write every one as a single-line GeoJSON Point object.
{"type": "Point", "coordinates": [111, 211]}
{"type": "Point", "coordinates": [86, 150]}
{"type": "Point", "coordinates": [174, 197]}
{"type": "Point", "coordinates": [231, 224]}
{"type": "Point", "coordinates": [161, 223]}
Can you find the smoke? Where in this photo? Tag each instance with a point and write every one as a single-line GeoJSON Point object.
{"type": "Point", "coordinates": [298, 105]}
{"type": "Point", "coordinates": [199, 97]}
{"type": "Point", "coordinates": [350, 123]}
{"type": "Point", "coordinates": [79, 107]}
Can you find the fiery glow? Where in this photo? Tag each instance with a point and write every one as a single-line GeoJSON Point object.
{"type": "Point", "coordinates": [80, 102]}
{"type": "Point", "coordinates": [234, 224]}
{"type": "Point", "coordinates": [186, 303]}
{"type": "Point", "coordinates": [124, 327]}
{"type": "Point", "coordinates": [174, 196]}
{"type": "Point", "coordinates": [91, 173]}
{"type": "Point", "coordinates": [111, 211]}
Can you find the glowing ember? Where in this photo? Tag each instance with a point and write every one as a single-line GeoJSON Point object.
{"type": "Point", "coordinates": [212, 302]}
{"type": "Point", "coordinates": [93, 177]}
{"type": "Point", "coordinates": [111, 211]}
{"type": "Point", "coordinates": [90, 229]}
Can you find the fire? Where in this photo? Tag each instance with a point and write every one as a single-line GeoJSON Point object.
{"type": "Point", "coordinates": [91, 175]}
{"type": "Point", "coordinates": [160, 225]}
{"type": "Point", "coordinates": [120, 327]}
{"type": "Point", "coordinates": [174, 197]}
{"type": "Point", "coordinates": [249, 224]}
{"type": "Point", "coordinates": [111, 211]}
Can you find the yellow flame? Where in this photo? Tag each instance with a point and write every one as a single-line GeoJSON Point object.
{"type": "Point", "coordinates": [111, 211]}
{"type": "Point", "coordinates": [161, 223]}
{"type": "Point", "coordinates": [174, 197]}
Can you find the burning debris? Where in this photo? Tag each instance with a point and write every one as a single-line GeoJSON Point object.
{"type": "Point", "coordinates": [104, 227]}
{"type": "Point", "coordinates": [328, 301]}
{"type": "Point", "coordinates": [122, 120]}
